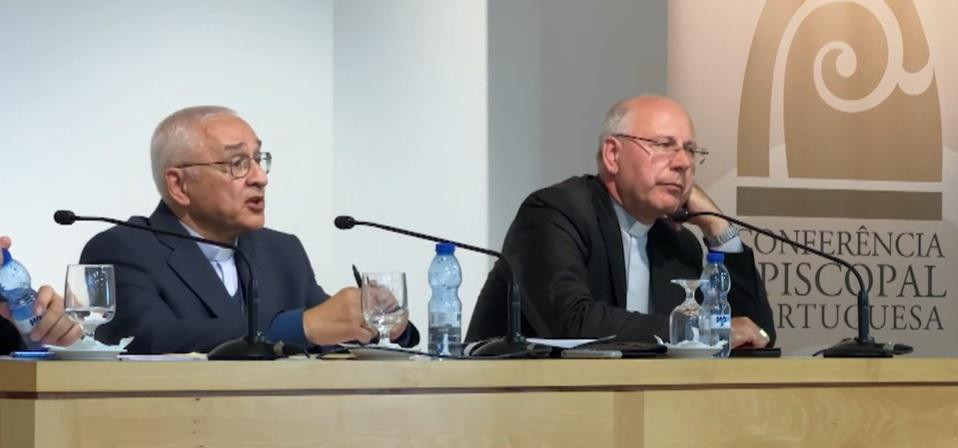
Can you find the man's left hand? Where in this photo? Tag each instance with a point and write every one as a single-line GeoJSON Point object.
{"type": "Point", "coordinates": [746, 334]}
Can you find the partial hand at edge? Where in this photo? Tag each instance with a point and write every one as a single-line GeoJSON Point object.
{"type": "Point", "coordinates": [4, 244]}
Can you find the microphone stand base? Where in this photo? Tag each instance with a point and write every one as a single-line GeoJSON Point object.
{"type": "Point", "coordinates": [243, 350]}
{"type": "Point", "coordinates": [505, 347]}
{"type": "Point", "coordinates": [855, 348]}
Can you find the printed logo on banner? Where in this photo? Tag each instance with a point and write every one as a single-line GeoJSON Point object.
{"type": "Point", "coordinates": [840, 121]}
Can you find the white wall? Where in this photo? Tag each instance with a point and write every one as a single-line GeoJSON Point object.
{"type": "Point", "coordinates": [410, 138]}
{"type": "Point", "coordinates": [380, 109]}
{"type": "Point", "coordinates": [555, 68]}
{"type": "Point", "coordinates": [85, 83]}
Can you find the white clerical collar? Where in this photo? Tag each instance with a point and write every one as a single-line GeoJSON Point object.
{"type": "Point", "coordinates": [211, 252]}
{"type": "Point", "coordinates": [629, 224]}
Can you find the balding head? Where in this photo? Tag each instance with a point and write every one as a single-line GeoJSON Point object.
{"type": "Point", "coordinates": [175, 139]}
{"type": "Point", "coordinates": [617, 120]}
{"type": "Point", "coordinates": [641, 160]}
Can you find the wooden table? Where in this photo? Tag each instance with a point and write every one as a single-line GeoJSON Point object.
{"type": "Point", "coordinates": [791, 402]}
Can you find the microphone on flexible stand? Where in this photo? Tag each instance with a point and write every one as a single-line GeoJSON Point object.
{"type": "Point", "coordinates": [250, 347]}
{"type": "Point", "coordinates": [862, 346]}
{"type": "Point", "coordinates": [512, 343]}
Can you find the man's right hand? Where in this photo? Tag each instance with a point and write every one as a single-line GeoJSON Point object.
{"type": "Point", "coordinates": [338, 319]}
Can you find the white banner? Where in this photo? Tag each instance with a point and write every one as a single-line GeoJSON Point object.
{"type": "Point", "coordinates": [826, 124]}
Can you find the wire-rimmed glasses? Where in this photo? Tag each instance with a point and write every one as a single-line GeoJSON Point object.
{"type": "Point", "coordinates": [667, 147]}
{"type": "Point", "coordinates": [239, 165]}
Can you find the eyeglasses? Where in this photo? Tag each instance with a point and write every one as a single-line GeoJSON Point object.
{"type": "Point", "coordinates": [238, 166]}
{"type": "Point", "coordinates": [667, 147]}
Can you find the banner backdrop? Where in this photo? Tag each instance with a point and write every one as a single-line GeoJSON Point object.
{"type": "Point", "coordinates": [832, 122]}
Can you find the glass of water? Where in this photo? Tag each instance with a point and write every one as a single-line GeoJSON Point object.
{"type": "Point", "coordinates": [89, 297]}
{"type": "Point", "coordinates": [684, 324]}
{"type": "Point", "coordinates": [384, 302]}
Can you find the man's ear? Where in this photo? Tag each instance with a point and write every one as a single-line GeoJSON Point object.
{"type": "Point", "coordinates": [611, 151]}
{"type": "Point", "coordinates": [176, 187]}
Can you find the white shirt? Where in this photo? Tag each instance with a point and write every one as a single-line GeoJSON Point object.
{"type": "Point", "coordinates": [634, 242]}
{"type": "Point", "coordinates": [222, 260]}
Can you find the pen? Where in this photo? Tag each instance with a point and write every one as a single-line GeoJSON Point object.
{"type": "Point", "coordinates": [359, 278]}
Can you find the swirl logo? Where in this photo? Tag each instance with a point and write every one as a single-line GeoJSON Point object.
{"type": "Point", "coordinates": [840, 104]}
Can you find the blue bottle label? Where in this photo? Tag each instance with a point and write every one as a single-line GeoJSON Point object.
{"type": "Point", "coordinates": [721, 321]}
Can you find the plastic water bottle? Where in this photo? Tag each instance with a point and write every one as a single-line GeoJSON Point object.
{"type": "Point", "coordinates": [445, 309]}
{"type": "Point", "coordinates": [15, 289]}
{"type": "Point", "coordinates": [716, 312]}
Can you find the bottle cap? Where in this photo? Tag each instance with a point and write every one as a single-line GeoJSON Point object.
{"type": "Point", "coordinates": [445, 248]}
{"type": "Point", "coordinates": [715, 257]}
{"type": "Point", "coordinates": [6, 258]}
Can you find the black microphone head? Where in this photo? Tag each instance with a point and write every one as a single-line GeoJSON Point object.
{"type": "Point", "coordinates": [344, 222]}
{"type": "Point", "coordinates": [64, 217]}
{"type": "Point", "coordinates": [680, 215]}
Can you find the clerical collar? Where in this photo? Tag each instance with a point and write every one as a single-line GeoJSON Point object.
{"type": "Point", "coordinates": [628, 223]}
{"type": "Point", "coordinates": [211, 252]}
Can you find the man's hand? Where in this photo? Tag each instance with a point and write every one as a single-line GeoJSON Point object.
{"type": "Point", "coordinates": [701, 202]}
{"type": "Point", "coordinates": [746, 334]}
{"type": "Point", "coordinates": [338, 319]}
{"type": "Point", "coordinates": [54, 327]}
{"type": "Point", "coordinates": [398, 329]}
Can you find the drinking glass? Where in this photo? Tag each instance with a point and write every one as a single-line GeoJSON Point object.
{"type": "Point", "coordinates": [384, 302]}
{"type": "Point", "coordinates": [684, 320]}
{"type": "Point", "coordinates": [89, 297]}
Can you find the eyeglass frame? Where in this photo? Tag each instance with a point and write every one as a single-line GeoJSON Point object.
{"type": "Point", "coordinates": [239, 158]}
{"type": "Point", "coordinates": [696, 153]}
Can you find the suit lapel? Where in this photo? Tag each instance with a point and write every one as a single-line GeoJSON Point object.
{"type": "Point", "coordinates": [191, 266]}
{"type": "Point", "coordinates": [612, 237]}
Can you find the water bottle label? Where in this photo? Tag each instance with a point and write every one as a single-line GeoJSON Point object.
{"type": "Point", "coordinates": [23, 318]}
{"type": "Point", "coordinates": [721, 321]}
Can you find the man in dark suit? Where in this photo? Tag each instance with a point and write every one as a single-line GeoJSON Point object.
{"type": "Point", "coordinates": [53, 328]}
{"type": "Point", "coordinates": [595, 255]}
{"type": "Point", "coordinates": [175, 295]}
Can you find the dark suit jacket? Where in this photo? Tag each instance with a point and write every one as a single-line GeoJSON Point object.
{"type": "Point", "coordinates": [567, 248]}
{"type": "Point", "coordinates": [9, 337]}
{"type": "Point", "coordinates": [170, 298]}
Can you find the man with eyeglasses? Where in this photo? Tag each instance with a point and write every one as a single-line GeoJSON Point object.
{"type": "Point", "coordinates": [176, 295]}
{"type": "Point", "coordinates": [595, 255]}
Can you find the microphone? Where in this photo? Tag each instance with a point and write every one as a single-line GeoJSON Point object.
{"type": "Point", "coordinates": [512, 343]}
{"type": "Point", "coordinates": [250, 347]}
{"type": "Point", "coordinates": [862, 346]}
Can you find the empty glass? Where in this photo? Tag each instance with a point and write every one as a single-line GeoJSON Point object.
{"type": "Point", "coordinates": [89, 297]}
{"type": "Point", "coordinates": [684, 320]}
{"type": "Point", "coordinates": [384, 302]}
